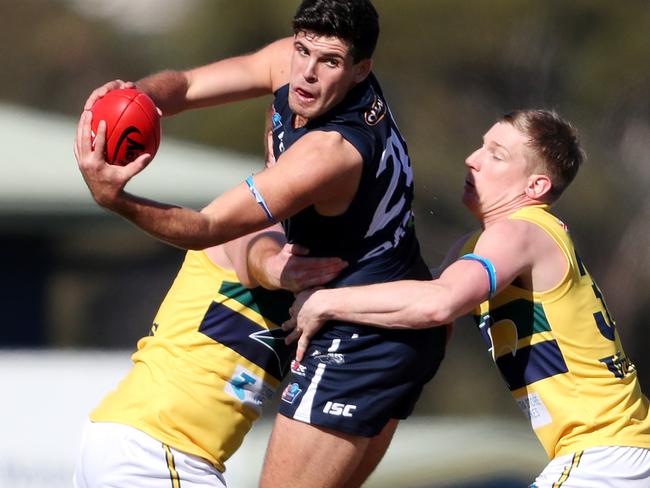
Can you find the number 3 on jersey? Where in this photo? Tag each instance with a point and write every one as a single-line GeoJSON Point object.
{"type": "Point", "coordinates": [604, 322]}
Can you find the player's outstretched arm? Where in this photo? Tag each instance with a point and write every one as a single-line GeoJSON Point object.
{"type": "Point", "coordinates": [237, 78]}
{"type": "Point", "coordinates": [462, 286]}
{"type": "Point", "coordinates": [320, 167]}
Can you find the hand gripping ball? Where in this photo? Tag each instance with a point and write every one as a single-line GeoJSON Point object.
{"type": "Point", "coordinates": [132, 125]}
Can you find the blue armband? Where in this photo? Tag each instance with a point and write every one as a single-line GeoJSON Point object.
{"type": "Point", "coordinates": [260, 199]}
{"type": "Point", "coordinates": [489, 267]}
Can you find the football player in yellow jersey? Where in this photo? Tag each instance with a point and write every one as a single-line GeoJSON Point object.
{"type": "Point", "coordinates": [543, 317]}
{"type": "Point", "coordinates": [214, 356]}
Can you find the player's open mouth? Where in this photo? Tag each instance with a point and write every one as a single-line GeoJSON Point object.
{"type": "Point", "coordinates": [304, 95]}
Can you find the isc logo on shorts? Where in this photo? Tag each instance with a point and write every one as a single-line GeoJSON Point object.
{"type": "Point", "coordinates": [339, 409]}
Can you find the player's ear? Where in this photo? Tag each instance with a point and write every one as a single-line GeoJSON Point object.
{"type": "Point", "coordinates": [362, 70]}
{"type": "Point", "coordinates": [538, 186]}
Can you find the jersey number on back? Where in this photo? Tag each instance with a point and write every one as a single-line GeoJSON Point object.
{"type": "Point", "coordinates": [604, 322]}
{"type": "Point", "coordinates": [395, 160]}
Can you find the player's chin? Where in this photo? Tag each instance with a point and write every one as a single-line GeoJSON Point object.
{"type": "Point", "coordinates": [307, 110]}
{"type": "Point", "coordinates": [470, 200]}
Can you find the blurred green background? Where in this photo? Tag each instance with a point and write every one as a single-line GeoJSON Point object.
{"type": "Point", "coordinates": [448, 69]}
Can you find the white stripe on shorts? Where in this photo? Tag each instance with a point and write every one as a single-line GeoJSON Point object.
{"type": "Point", "coordinates": [303, 412]}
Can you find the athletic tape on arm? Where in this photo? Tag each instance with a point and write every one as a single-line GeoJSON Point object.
{"type": "Point", "coordinates": [489, 267]}
{"type": "Point", "coordinates": [260, 199]}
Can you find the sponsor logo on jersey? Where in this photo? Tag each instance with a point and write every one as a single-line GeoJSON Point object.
{"type": "Point", "coordinates": [534, 408]}
{"type": "Point", "coordinates": [339, 409]}
{"type": "Point", "coordinates": [249, 389]}
{"type": "Point", "coordinates": [330, 358]}
{"type": "Point", "coordinates": [619, 365]}
{"type": "Point", "coordinates": [291, 392]}
{"type": "Point", "coordinates": [297, 368]}
{"type": "Point", "coordinates": [276, 118]}
{"type": "Point", "coordinates": [376, 112]}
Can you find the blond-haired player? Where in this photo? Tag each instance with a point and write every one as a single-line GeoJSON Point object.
{"type": "Point", "coordinates": [539, 310]}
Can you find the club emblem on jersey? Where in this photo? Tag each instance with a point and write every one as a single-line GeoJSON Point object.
{"type": "Point", "coordinates": [272, 340]}
{"type": "Point", "coordinates": [376, 112]}
{"type": "Point", "coordinates": [503, 337]}
{"type": "Point", "coordinates": [521, 343]}
{"type": "Point", "coordinates": [291, 392]}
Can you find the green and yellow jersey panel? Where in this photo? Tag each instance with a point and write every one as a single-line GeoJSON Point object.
{"type": "Point", "coordinates": [215, 355]}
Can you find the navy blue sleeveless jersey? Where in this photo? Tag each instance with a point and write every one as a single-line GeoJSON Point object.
{"type": "Point", "coordinates": [355, 378]}
{"type": "Point", "coordinates": [376, 233]}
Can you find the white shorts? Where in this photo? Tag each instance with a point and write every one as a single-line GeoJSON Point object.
{"type": "Point", "coordinates": [598, 467]}
{"type": "Point", "coordinates": [116, 455]}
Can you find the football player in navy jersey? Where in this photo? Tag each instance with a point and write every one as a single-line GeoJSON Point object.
{"type": "Point", "coordinates": [342, 186]}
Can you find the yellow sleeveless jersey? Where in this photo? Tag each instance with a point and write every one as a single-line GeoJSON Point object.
{"type": "Point", "coordinates": [561, 357]}
{"type": "Point", "coordinates": [214, 356]}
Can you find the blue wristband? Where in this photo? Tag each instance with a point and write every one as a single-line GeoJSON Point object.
{"type": "Point", "coordinates": [489, 267]}
{"type": "Point", "coordinates": [260, 199]}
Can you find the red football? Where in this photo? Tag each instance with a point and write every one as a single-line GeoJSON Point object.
{"type": "Point", "coordinates": [132, 125]}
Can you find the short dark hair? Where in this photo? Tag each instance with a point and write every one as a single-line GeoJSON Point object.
{"type": "Point", "coordinates": [554, 145]}
{"type": "Point", "coordinates": [354, 21]}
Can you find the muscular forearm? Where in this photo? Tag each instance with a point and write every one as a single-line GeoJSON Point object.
{"type": "Point", "coordinates": [260, 251]}
{"type": "Point", "coordinates": [398, 305]}
{"type": "Point", "coordinates": [168, 89]}
{"type": "Point", "coordinates": [178, 226]}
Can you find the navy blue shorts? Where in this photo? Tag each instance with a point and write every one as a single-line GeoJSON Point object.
{"type": "Point", "coordinates": [354, 379]}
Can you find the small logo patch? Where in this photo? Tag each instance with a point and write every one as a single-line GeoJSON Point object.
{"type": "Point", "coordinates": [249, 388]}
{"type": "Point", "coordinates": [339, 409]}
{"type": "Point", "coordinates": [276, 118]}
{"type": "Point", "coordinates": [330, 358]}
{"type": "Point", "coordinates": [376, 112]}
{"type": "Point", "coordinates": [534, 408]}
{"type": "Point", "coordinates": [291, 392]}
{"type": "Point", "coordinates": [133, 147]}
{"type": "Point", "coordinates": [297, 368]}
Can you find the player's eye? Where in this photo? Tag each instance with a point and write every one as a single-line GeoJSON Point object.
{"type": "Point", "coordinates": [496, 155]}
